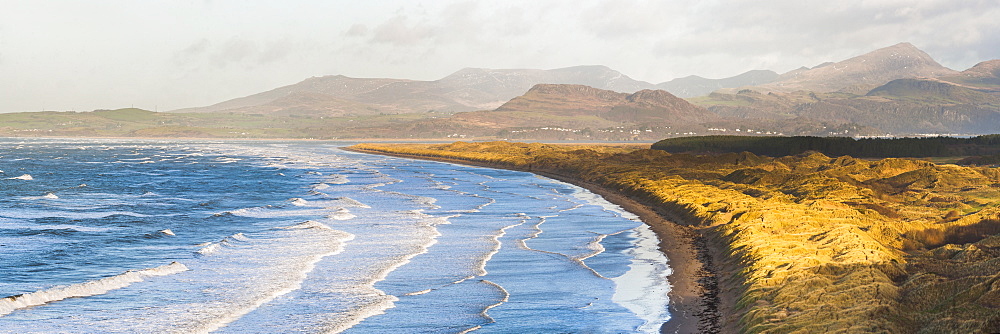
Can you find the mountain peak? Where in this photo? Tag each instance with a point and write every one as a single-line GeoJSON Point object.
{"type": "Point", "coordinates": [875, 68]}
{"type": "Point", "coordinates": [656, 96]}
{"type": "Point", "coordinates": [989, 68]}
{"type": "Point", "coordinates": [904, 45]}
{"type": "Point", "coordinates": [901, 50]}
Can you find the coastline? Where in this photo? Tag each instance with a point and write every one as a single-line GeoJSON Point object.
{"type": "Point", "coordinates": [695, 305]}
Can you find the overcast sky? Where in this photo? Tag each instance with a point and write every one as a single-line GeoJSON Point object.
{"type": "Point", "coordinates": [164, 55]}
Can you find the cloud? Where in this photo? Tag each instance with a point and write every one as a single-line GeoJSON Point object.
{"type": "Point", "coordinates": [784, 34]}
{"type": "Point", "coordinates": [398, 31]}
{"type": "Point", "coordinates": [357, 30]}
{"type": "Point", "coordinates": [235, 51]}
{"type": "Point", "coordinates": [276, 50]}
{"type": "Point", "coordinates": [225, 49]}
{"type": "Point", "coordinates": [191, 52]}
{"type": "Point", "coordinates": [2, 46]}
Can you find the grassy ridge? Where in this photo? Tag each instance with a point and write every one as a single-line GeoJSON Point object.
{"type": "Point", "coordinates": [811, 243]}
{"type": "Point", "coordinates": [835, 146]}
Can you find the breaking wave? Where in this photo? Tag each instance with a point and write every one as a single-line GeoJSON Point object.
{"type": "Point", "coordinates": [86, 289]}
{"type": "Point", "coordinates": [212, 247]}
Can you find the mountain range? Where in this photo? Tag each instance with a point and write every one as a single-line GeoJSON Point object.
{"type": "Point", "coordinates": [861, 73]}
{"type": "Point", "coordinates": [468, 89]}
{"type": "Point", "coordinates": [896, 90]}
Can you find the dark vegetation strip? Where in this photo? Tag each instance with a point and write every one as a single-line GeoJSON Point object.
{"type": "Point", "coordinates": [835, 146]}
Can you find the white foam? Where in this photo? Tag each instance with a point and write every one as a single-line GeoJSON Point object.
{"type": "Point", "coordinates": [211, 248]}
{"type": "Point", "coordinates": [337, 202]}
{"type": "Point", "coordinates": [13, 225]}
{"type": "Point", "coordinates": [386, 301]}
{"type": "Point", "coordinates": [35, 214]}
{"type": "Point", "coordinates": [594, 246]}
{"type": "Point", "coordinates": [266, 212]}
{"type": "Point", "coordinates": [307, 225]}
{"type": "Point", "coordinates": [298, 275]}
{"type": "Point", "coordinates": [341, 214]}
{"type": "Point", "coordinates": [417, 293]}
{"type": "Point", "coordinates": [596, 199]}
{"type": "Point", "coordinates": [86, 289]}
{"type": "Point", "coordinates": [167, 232]}
{"type": "Point", "coordinates": [485, 312]}
{"type": "Point", "coordinates": [481, 268]}
{"type": "Point", "coordinates": [25, 177]}
{"type": "Point", "coordinates": [643, 288]}
{"type": "Point", "coordinates": [349, 202]}
{"type": "Point", "coordinates": [337, 179]}
{"type": "Point", "coordinates": [50, 196]}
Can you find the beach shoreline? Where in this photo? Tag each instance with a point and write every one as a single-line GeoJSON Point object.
{"type": "Point", "coordinates": [695, 295]}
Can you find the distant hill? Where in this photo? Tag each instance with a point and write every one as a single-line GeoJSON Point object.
{"type": "Point", "coordinates": [692, 86]}
{"type": "Point", "coordinates": [933, 91]}
{"type": "Point", "coordinates": [337, 87]}
{"type": "Point", "coordinates": [646, 106]}
{"type": "Point", "coordinates": [893, 90]}
{"type": "Point", "coordinates": [984, 76]}
{"type": "Point", "coordinates": [898, 90]}
{"type": "Point", "coordinates": [862, 73]}
{"type": "Point", "coordinates": [565, 111]}
{"type": "Point", "coordinates": [466, 90]}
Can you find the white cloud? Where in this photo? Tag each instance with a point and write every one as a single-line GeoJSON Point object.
{"type": "Point", "coordinates": [88, 55]}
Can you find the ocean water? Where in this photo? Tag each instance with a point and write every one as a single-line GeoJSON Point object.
{"type": "Point", "coordinates": [101, 236]}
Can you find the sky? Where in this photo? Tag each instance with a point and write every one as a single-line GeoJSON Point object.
{"type": "Point", "coordinates": [165, 55]}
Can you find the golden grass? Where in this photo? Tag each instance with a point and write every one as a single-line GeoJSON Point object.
{"type": "Point", "coordinates": [820, 244]}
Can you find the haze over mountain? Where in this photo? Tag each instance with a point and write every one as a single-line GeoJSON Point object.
{"type": "Point", "coordinates": [566, 111]}
{"type": "Point", "coordinates": [893, 90]}
{"type": "Point", "coordinates": [692, 86]}
{"type": "Point", "coordinates": [983, 76]}
{"type": "Point", "coordinates": [465, 90]}
{"type": "Point", "coordinates": [484, 89]}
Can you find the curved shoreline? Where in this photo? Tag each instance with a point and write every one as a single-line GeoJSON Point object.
{"type": "Point", "coordinates": [695, 294]}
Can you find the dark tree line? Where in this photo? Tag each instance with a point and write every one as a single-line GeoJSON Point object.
{"type": "Point", "coordinates": [835, 146]}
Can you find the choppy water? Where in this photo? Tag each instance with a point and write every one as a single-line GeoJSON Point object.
{"type": "Point", "coordinates": [145, 236]}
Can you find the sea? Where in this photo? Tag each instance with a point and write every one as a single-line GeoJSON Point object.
{"type": "Point", "coordinates": [144, 236]}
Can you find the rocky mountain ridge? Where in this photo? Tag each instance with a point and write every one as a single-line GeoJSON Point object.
{"type": "Point", "coordinates": [862, 73]}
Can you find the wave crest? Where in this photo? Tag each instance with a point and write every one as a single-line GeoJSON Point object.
{"type": "Point", "coordinates": [86, 289]}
